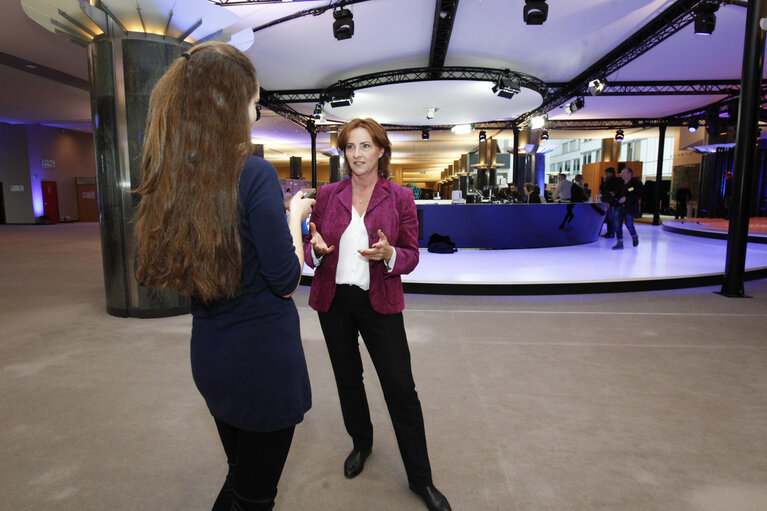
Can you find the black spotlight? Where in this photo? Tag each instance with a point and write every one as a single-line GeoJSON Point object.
{"type": "Point", "coordinates": [619, 135]}
{"type": "Point", "coordinates": [506, 87]}
{"type": "Point", "coordinates": [535, 12]}
{"type": "Point", "coordinates": [574, 106]}
{"type": "Point", "coordinates": [424, 133]}
{"type": "Point", "coordinates": [596, 86]}
{"type": "Point", "coordinates": [482, 136]}
{"type": "Point", "coordinates": [343, 26]}
{"type": "Point", "coordinates": [545, 135]}
{"type": "Point", "coordinates": [705, 19]}
{"type": "Point", "coordinates": [341, 97]}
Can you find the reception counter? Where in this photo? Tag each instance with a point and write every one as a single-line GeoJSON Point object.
{"type": "Point", "coordinates": [511, 225]}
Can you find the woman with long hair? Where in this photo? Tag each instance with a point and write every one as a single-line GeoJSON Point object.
{"type": "Point", "coordinates": [363, 236]}
{"type": "Point", "coordinates": [211, 225]}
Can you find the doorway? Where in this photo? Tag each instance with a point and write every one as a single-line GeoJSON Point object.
{"type": "Point", "coordinates": [2, 205]}
{"type": "Point", "coordinates": [50, 202]}
{"type": "Point", "coordinates": [87, 206]}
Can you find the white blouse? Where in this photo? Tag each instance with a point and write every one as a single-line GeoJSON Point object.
{"type": "Point", "coordinates": [353, 268]}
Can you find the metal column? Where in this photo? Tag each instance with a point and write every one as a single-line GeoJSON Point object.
{"type": "Point", "coordinates": [745, 149]}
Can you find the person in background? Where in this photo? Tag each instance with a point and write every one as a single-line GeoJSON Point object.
{"type": "Point", "coordinates": [609, 189]}
{"type": "Point", "coordinates": [683, 195]}
{"type": "Point", "coordinates": [211, 225]}
{"type": "Point", "coordinates": [587, 191]}
{"type": "Point", "coordinates": [533, 197]}
{"type": "Point", "coordinates": [577, 193]}
{"type": "Point", "coordinates": [363, 236]}
{"type": "Point", "coordinates": [627, 207]}
{"type": "Point", "coordinates": [563, 189]}
{"type": "Point", "coordinates": [512, 194]}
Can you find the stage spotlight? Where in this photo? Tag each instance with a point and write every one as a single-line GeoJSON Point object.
{"type": "Point", "coordinates": [705, 19]}
{"type": "Point", "coordinates": [430, 112]}
{"type": "Point", "coordinates": [596, 86]}
{"type": "Point", "coordinates": [538, 122]}
{"type": "Point", "coordinates": [535, 12]}
{"type": "Point", "coordinates": [343, 26]}
{"type": "Point", "coordinates": [574, 106]}
{"type": "Point", "coordinates": [341, 97]}
{"type": "Point", "coordinates": [506, 87]}
{"type": "Point", "coordinates": [692, 126]}
{"type": "Point", "coordinates": [545, 135]}
{"type": "Point", "coordinates": [424, 133]}
{"type": "Point", "coordinates": [462, 129]}
{"type": "Point", "coordinates": [482, 136]}
{"type": "Point", "coordinates": [619, 135]}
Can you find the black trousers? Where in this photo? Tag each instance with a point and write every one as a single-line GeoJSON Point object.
{"type": "Point", "coordinates": [255, 465]}
{"type": "Point", "coordinates": [384, 335]}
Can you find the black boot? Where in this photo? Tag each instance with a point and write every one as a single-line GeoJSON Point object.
{"type": "Point", "coordinates": [432, 497]}
{"type": "Point", "coordinates": [355, 462]}
{"type": "Point", "coordinates": [619, 245]}
{"type": "Point", "coordinates": [635, 240]}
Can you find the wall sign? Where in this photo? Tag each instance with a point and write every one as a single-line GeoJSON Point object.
{"type": "Point", "coordinates": [17, 188]}
{"type": "Point", "coordinates": [49, 164]}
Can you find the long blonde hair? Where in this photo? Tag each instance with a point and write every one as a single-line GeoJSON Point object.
{"type": "Point", "coordinates": [197, 138]}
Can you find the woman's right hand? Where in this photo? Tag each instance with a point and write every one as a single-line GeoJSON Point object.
{"type": "Point", "coordinates": [300, 206]}
{"type": "Point", "coordinates": [318, 244]}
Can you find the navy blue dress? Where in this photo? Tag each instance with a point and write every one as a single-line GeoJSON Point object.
{"type": "Point", "coordinates": [247, 358]}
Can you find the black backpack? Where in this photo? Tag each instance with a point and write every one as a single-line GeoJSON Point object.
{"type": "Point", "coordinates": [440, 244]}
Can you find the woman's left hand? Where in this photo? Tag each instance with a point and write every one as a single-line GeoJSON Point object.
{"type": "Point", "coordinates": [381, 250]}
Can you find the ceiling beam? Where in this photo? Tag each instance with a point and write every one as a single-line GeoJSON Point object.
{"type": "Point", "coordinates": [669, 22]}
{"type": "Point", "coordinates": [444, 17]}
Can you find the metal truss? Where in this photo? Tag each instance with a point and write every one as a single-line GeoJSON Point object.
{"type": "Point", "coordinates": [406, 76]}
{"type": "Point", "coordinates": [660, 28]}
{"type": "Point", "coordinates": [672, 88]}
{"type": "Point", "coordinates": [444, 17]}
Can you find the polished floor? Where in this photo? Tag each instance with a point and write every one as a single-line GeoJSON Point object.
{"type": "Point", "coordinates": [662, 259]}
{"type": "Point", "coordinates": [631, 401]}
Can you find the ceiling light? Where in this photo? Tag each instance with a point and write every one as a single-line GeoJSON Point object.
{"type": "Point", "coordinates": [341, 97]}
{"type": "Point", "coordinates": [506, 87]}
{"type": "Point", "coordinates": [545, 135]}
{"type": "Point", "coordinates": [705, 19]}
{"type": "Point", "coordinates": [538, 122]}
{"type": "Point", "coordinates": [535, 12]}
{"type": "Point", "coordinates": [574, 106]}
{"type": "Point", "coordinates": [692, 126]}
{"type": "Point", "coordinates": [343, 26]}
{"type": "Point", "coordinates": [425, 133]}
{"type": "Point", "coordinates": [430, 112]}
{"type": "Point", "coordinates": [596, 86]}
{"type": "Point", "coordinates": [461, 129]}
{"type": "Point", "coordinates": [619, 135]}
{"type": "Point", "coordinates": [482, 136]}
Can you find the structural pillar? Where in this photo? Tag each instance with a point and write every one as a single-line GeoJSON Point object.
{"type": "Point", "coordinates": [313, 133]}
{"type": "Point", "coordinates": [123, 70]}
{"type": "Point", "coordinates": [745, 149]}
{"type": "Point", "coordinates": [659, 174]}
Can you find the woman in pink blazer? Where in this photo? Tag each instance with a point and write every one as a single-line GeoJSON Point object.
{"type": "Point", "coordinates": [363, 236]}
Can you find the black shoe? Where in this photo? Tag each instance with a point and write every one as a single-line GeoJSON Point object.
{"type": "Point", "coordinates": [608, 235]}
{"type": "Point", "coordinates": [619, 245]}
{"type": "Point", "coordinates": [635, 240]}
{"type": "Point", "coordinates": [432, 497]}
{"type": "Point", "coordinates": [355, 462]}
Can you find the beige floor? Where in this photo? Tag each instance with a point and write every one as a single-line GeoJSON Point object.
{"type": "Point", "coordinates": [642, 401]}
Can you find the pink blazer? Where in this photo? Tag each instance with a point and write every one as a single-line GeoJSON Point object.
{"type": "Point", "coordinates": [391, 209]}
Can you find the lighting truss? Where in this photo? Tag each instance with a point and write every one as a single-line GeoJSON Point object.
{"type": "Point", "coordinates": [680, 14]}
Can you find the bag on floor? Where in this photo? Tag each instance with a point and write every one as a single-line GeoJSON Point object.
{"type": "Point", "coordinates": [439, 244]}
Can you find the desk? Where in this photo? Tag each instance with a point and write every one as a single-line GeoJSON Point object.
{"type": "Point", "coordinates": [511, 225]}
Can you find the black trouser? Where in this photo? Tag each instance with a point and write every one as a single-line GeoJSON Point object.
{"type": "Point", "coordinates": [681, 210]}
{"type": "Point", "coordinates": [255, 465]}
{"type": "Point", "coordinates": [384, 336]}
